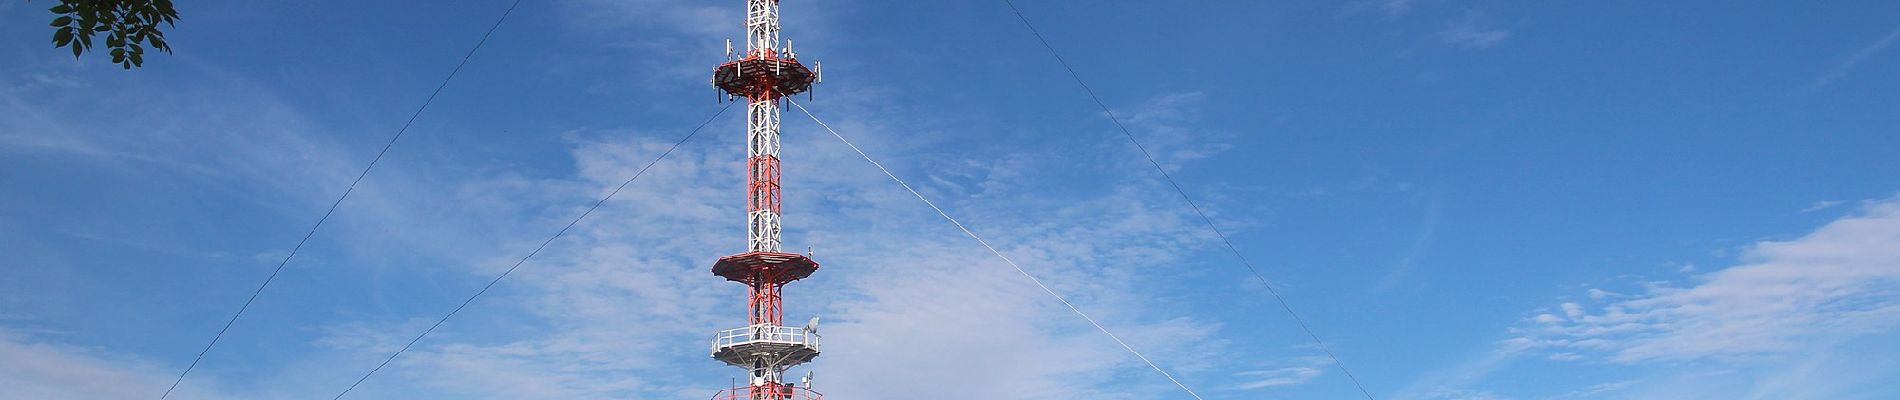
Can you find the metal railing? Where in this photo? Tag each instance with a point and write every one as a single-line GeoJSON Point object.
{"type": "Point", "coordinates": [782, 392]}
{"type": "Point", "coordinates": [765, 333]}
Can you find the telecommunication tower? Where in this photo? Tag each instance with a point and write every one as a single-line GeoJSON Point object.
{"type": "Point", "coordinates": [767, 72]}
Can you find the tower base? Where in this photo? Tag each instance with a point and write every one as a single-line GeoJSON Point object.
{"type": "Point", "coordinates": [769, 391]}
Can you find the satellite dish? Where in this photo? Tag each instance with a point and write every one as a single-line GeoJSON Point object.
{"type": "Point", "coordinates": [807, 381]}
{"type": "Point", "coordinates": [812, 327]}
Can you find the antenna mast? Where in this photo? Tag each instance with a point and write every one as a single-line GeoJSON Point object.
{"type": "Point", "coordinates": [767, 73]}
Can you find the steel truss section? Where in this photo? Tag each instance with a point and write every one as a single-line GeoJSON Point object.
{"type": "Point", "coordinates": [762, 171]}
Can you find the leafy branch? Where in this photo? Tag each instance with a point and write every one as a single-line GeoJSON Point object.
{"type": "Point", "coordinates": [129, 26]}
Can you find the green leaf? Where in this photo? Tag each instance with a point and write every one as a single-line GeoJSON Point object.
{"type": "Point", "coordinates": [62, 9]}
{"type": "Point", "coordinates": [77, 50]}
{"type": "Point", "coordinates": [62, 21]}
{"type": "Point", "coordinates": [63, 36]}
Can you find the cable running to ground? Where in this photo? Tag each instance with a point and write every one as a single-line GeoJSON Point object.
{"type": "Point", "coordinates": [986, 245]}
{"type": "Point", "coordinates": [339, 200]}
{"type": "Point", "coordinates": [1190, 201]}
{"type": "Point", "coordinates": [531, 254]}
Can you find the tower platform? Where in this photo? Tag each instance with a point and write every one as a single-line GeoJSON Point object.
{"type": "Point", "coordinates": [777, 345]}
{"type": "Point", "coordinates": [776, 268]}
{"type": "Point", "coordinates": [763, 77]}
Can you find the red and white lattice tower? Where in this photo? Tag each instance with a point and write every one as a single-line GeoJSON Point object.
{"type": "Point", "coordinates": [765, 347]}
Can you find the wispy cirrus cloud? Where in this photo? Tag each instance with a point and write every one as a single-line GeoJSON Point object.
{"type": "Point", "coordinates": [1295, 372]}
{"type": "Point", "coordinates": [1463, 394]}
{"type": "Point", "coordinates": [39, 369]}
{"type": "Point", "coordinates": [1388, 8]}
{"type": "Point", "coordinates": [1473, 31]}
{"type": "Point", "coordinates": [1847, 66]}
{"type": "Point", "coordinates": [627, 295]}
{"type": "Point", "coordinates": [1841, 279]}
{"type": "Point", "coordinates": [1777, 318]}
{"type": "Point", "coordinates": [1596, 391]}
{"type": "Point", "coordinates": [1820, 205]}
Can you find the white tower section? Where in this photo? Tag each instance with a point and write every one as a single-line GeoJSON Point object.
{"type": "Point", "coordinates": [762, 132]}
{"type": "Point", "coordinates": [761, 26]}
{"type": "Point", "coordinates": [762, 142]}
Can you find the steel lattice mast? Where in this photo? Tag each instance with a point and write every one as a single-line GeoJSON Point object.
{"type": "Point", "coordinates": [763, 76]}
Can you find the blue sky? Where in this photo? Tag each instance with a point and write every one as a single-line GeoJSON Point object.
{"type": "Point", "coordinates": [1468, 200]}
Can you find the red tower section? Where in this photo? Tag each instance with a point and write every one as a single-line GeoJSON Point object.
{"type": "Point", "coordinates": [765, 273]}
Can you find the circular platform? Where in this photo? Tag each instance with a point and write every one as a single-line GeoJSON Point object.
{"type": "Point", "coordinates": [769, 77]}
{"type": "Point", "coordinates": [778, 345]}
{"type": "Point", "coordinates": [778, 268]}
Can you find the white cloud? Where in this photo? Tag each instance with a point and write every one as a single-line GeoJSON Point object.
{"type": "Point", "coordinates": [1168, 126]}
{"type": "Point", "coordinates": [1464, 395]}
{"type": "Point", "coordinates": [1841, 70]}
{"type": "Point", "coordinates": [34, 370]}
{"type": "Point", "coordinates": [673, 17]}
{"type": "Point", "coordinates": [1597, 391]}
{"type": "Point", "coordinates": [1472, 32]}
{"type": "Point", "coordinates": [1571, 310]}
{"type": "Point", "coordinates": [1389, 8]}
{"type": "Point", "coordinates": [1821, 205]}
{"type": "Point", "coordinates": [1779, 324]}
{"type": "Point", "coordinates": [1292, 373]}
{"type": "Point", "coordinates": [627, 293]}
{"type": "Point", "coordinates": [1458, 379]}
{"type": "Point", "coordinates": [1421, 244]}
{"type": "Point", "coordinates": [1565, 356]}
{"type": "Point", "coordinates": [1280, 377]}
{"type": "Point", "coordinates": [1841, 279]}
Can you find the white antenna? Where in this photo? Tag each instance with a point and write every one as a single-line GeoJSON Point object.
{"type": "Point", "coordinates": [818, 68]}
{"type": "Point", "coordinates": [807, 380]}
{"type": "Point", "coordinates": [728, 48]}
